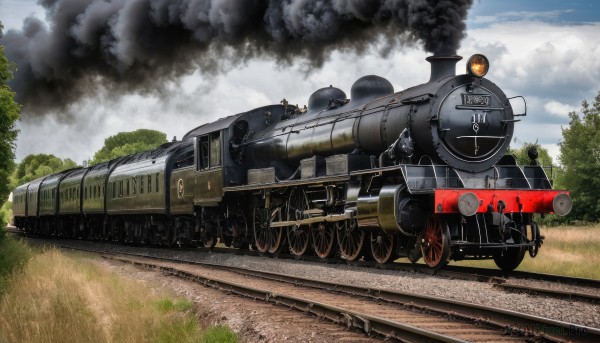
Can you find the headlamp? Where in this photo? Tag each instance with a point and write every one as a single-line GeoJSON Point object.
{"type": "Point", "coordinates": [478, 65]}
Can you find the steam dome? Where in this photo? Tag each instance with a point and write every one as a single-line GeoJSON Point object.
{"type": "Point", "coordinates": [319, 100]}
{"type": "Point", "coordinates": [370, 87]}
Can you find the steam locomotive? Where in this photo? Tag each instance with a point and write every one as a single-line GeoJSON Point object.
{"type": "Point", "coordinates": [421, 173]}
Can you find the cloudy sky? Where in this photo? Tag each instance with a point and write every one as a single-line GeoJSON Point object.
{"type": "Point", "coordinates": [547, 51]}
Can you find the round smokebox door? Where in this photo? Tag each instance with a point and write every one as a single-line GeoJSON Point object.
{"type": "Point", "coordinates": [470, 123]}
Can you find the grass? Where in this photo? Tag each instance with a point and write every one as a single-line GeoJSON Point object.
{"type": "Point", "coordinates": [13, 255]}
{"type": "Point", "coordinates": [61, 298]}
{"type": "Point", "coordinates": [218, 334]}
{"type": "Point", "coordinates": [567, 250]}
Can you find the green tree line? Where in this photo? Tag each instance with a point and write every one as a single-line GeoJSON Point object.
{"type": "Point", "coordinates": [9, 114]}
{"type": "Point", "coordinates": [580, 160]}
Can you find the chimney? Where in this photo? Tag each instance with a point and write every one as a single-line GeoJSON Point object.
{"type": "Point", "coordinates": [442, 66]}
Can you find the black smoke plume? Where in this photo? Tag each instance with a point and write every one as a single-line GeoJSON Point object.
{"type": "Point", "coordinates": [138, 45]}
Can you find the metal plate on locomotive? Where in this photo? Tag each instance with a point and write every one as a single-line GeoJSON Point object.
{"type": "Point", "coordinates": [483, 100]}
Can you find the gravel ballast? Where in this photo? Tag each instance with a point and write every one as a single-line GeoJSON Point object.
{"type": "Point", "coordinates": [566, 310]}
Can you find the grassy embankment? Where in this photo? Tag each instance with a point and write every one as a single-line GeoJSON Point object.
{"type": "Point", "coordinates": [567, 250]}
{"type": "Point", "coordinates": [57, 297]}
{"type": "Point", "coordinates": [13, 255]}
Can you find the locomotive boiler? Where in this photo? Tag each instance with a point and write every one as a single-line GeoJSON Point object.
{"type": "Point", "coordinates": [421, 173]}
{"type": "Point", "coordinates": [464, 122]}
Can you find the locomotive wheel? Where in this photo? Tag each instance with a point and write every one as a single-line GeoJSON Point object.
{"type": "Point", "coordinates": [277, 233]}
{"type": "Point", "coordinates": [350, 239]}
{"type": "Point", "coordinates": [413, 251]}
{"type": "Point", "coordinates": [299, 239]}
{"type": "Point", "coordinates": [323, 238]}
{"type": "Point", "coordinates": [210, 241]}
{"type": "Point", "coordinates": [266, 238]}
{"type": "Point", "coordinates": [226, 240]}
{"type": "Point", "coordinates": [510, 258]}
{"type": "Point", "coordinates": [435, 245]}
{"type": "Point", "coordinates": [382, 246]}
{"type": "Point", "coordinates": [298, 235]}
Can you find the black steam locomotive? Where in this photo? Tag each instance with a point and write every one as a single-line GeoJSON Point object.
{"type": "Point", "coordinates": [382, 174]}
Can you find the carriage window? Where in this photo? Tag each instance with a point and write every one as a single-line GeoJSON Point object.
{"type": "Point", "coordinates": [94, 192]}
{"type": "Point", "coordinates": [134, 185]}
{"type": "Point", "coordinates": [203, 149]}
{"type": "Point", "coordinates": [142, 185]}
{"type": "Point", "coordinates": [114, 187]}
{"type": "Point", "coordinates": [157, 179]}
{"type": "Point", "coordinates": [215, 149]}
{"type": "Point", "coordinates": [85, 193]}
{"type": "Point", "coordinates": [149, 183]}
{"type": "Point", "coordinates": [120, 188]}
{"type": "Point", "coordinates": [127, 188]}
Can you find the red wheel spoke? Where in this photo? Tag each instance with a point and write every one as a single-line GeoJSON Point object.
{"type": "Point", "coordinates": [435, 251]}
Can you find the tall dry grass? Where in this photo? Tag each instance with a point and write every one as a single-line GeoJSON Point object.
{"type": "Point", "coordinates": [61, 299]}
{"type": "Point", "coordinates": [13, 255]}
{"type": "Point", "coordinates": [567, 250]}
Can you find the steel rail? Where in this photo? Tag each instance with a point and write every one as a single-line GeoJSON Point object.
{"type": "Point", "coordinates": [509, 320]}
{"type": "Point", "coordinates": [367, 323]}
{"type": "Point", "coordinates": [594, 283]}
{"type": "Point", "coordinates": [555, 293]}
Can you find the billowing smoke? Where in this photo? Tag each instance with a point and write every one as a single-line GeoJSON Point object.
{"type": "Point", "coordinates": [138, 45]}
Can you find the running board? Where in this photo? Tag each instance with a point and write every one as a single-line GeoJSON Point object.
{"type": "Point", "coordinates": [348, 214]}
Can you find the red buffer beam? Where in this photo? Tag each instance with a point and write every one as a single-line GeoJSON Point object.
{"type": "Point", "coordinates": [471, 201]}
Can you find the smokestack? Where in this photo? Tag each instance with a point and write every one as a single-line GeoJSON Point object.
{"type": "Point", "coordinates": [442, 66]}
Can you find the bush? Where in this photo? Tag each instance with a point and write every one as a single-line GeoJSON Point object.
{"type": "Point", "coordinates": [5, 214]}
{"type": "Point", "coordinates": [13, 255]}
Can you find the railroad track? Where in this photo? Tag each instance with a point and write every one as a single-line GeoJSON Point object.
{"type": "Point", "coordinates": [428, 318]}
{"type": "Point", "coordinates": [486, 275]}
{"type": "Point", "coordinates": [554, 293]}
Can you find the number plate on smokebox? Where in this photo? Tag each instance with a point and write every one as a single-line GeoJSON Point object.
{"type": "Point", "coordinates": [476, 99]}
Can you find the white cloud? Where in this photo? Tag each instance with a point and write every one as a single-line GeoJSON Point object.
{"type": "Point", "coordinates": [559, 109]}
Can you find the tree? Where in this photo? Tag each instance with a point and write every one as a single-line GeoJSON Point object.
{"type": "Point", "coordinates": [580, 159]}
{"type": "Point", "coordinates": [522, 155]}
{"type": "Point", "coordinates": [35, 166]}
{"type": "Point", "coordinates": [125, 143]}
{"type": "Point", "coordinates": [9, 113]}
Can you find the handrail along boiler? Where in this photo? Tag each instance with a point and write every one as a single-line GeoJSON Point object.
{"type": "Point", "coordinates": [423, 172]}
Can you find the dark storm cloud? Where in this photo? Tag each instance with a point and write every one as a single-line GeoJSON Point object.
{"type": "Point", "coordinates": [139, 45]}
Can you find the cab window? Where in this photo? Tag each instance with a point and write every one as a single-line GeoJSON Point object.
{"type": "Point", "coordinates": [215, 149]}
{"type": "Point", "coordinates": [203, 148]}
{"type": "Point", "coordinates": [209, 148]}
